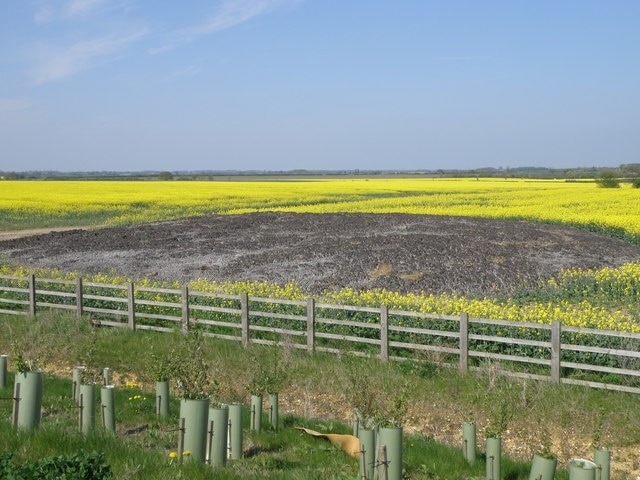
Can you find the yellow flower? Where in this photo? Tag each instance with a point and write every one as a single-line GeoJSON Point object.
{"type": "Point", "coordinates": [173, 455]}
{"type": "Point", "coordinates": [186, 453]}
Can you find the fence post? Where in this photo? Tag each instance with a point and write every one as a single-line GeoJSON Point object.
{"type": "Point", "coordinates": [384, 333]}
{"type": "Point", "coordinates": [185, 309]}
{"type": "Point", "coordinates": [464, 343]}
{"type": "Point", "coordinates": [555, 351]}
{"type": "Point", "coordinates": [311, 325]}
{"type": "Point", "coordinates": [244, 318]}
{"type": "Point", "coordinates": [79, 299]}
{"type": "Point", "coordinates": [131, 306]}
{"type": "Point", "coordinates": [32, 295]}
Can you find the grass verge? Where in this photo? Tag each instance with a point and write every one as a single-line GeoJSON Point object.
{"type": "Point", "coordinates": [317, 391]}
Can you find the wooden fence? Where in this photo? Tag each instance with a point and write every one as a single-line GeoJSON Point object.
{"type": "Point", "coordinates": [596, 358]}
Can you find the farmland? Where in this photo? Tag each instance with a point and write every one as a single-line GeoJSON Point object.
{"type": "Point", "coordinates": [496, 249]}
{"type": "Point", "coordinates": [419, 249]}
{"type": "Point", "coordinates": [81, 203]}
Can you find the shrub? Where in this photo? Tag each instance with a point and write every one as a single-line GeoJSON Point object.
{"type": "Point", "coordinates": [608, 179]}
{"type": "Point", "coordinates": [81, 466]}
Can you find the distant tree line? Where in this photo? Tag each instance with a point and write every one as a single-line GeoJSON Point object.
{"type": "Point", "coordinates": [604, 176]}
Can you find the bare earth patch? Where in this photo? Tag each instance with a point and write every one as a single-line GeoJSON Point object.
{"type": "Point", "coordinates": [405, 253]}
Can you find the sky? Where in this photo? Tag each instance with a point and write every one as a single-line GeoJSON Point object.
{"type": "Point", "coordinates": [134, 85]}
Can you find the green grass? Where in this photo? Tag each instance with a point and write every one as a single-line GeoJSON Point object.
{"type": "Point", "coordinates": [285, 454]}
{"type": "Point", "coordinates": [319, 392]}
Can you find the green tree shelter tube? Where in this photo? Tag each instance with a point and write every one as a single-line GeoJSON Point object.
{"type": "Point", "coordinates": [581, 469]}
{"type": "Point", "coordinates": [235, 431]}
{"type": "Point", "coordinates": [194, 413]}
{"type": "Point", "coordinates": [76, 381]}
{"type": "Point", "coordinates": [367, 452]}
{"type": "Point", "coordinates": [218, 436]}
{"type": "Point", "coordinates": [469, 441]}
{"type": "Point", "coordinates": [3, 371]}
{"type": "Point", "coordinates": [107, 408]}
{"type": "Point", "coordinates": [494, 458]}
{"type": "Point", "coordinates": [255, 424]}
{"type": "Point", "coordinates": [602, 458]}
{"type": "Point", "coordinates": [162, 398]}
{"type": "Point", "coordinates": [391, 438]}
{"type": "Point", "coordinates": [87, 404]}
{"type": "Point", "coordinates": [273, 410]}
{"type": "Point", "coordinates": [542, 468]}
{"type": "Point", "coordinates": [27, 400]}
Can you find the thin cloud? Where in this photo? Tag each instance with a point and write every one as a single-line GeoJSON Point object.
{"type": "Point", "coordinates": [60, 63]}
{"type": "Point", "coordinates": [230, 13]}
{"type": "Point", "coordinates": [81, 7]}
{"type": "Point", "coordinates": [233, 12]}
{"type": "Point", "coordinates": [72, 9]}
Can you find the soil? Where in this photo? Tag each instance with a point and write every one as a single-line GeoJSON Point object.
{"type": "Point", "coordinates": [405, 253]}
{"type": "Point", "coordinates": [399, 252]}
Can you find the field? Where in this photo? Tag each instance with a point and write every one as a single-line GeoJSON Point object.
{"type": "Point", "coordinates": [511, 249]}
{"type": "Point", "coordinates": [564, 265]}
{"type": "Point", "coordinates": [41, 203]}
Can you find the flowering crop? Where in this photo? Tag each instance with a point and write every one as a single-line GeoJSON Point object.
{"type": "Point", "coordinates": [607, 298]}
{"type": "Point", "coordinates": [570, 309]}
{"type": "Point", "coordinates": [581, 204]}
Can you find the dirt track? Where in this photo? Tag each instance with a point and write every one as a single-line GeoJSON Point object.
{"type": "Point", "coordinates": [406, 253]}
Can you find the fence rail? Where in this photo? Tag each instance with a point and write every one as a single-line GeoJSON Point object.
{"type": "Point", "coordinates": [600, 359]}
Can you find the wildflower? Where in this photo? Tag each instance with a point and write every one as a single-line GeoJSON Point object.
{"type": "Point", "coordinates": [186, 453]}
{"type": "Point", "coordinates": [173, 455]}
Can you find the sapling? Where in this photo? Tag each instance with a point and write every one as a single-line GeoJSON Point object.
{"type": "Point", "coordinates": [20, 363]}
{"type": "Point", "coordinates": [359, 392]}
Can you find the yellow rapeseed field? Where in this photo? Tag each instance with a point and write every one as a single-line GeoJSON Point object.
{"type": "Point", "coordinates": [604, 299]}
{"type": "Point", "coordinates": [28, 204]}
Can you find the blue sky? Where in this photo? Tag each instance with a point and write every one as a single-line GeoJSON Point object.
{"type": "Point", "coordinates": [132, 85]}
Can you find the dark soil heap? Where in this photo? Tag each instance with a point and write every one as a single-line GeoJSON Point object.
{"type": "Point", "coordinates": [400, 252]}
